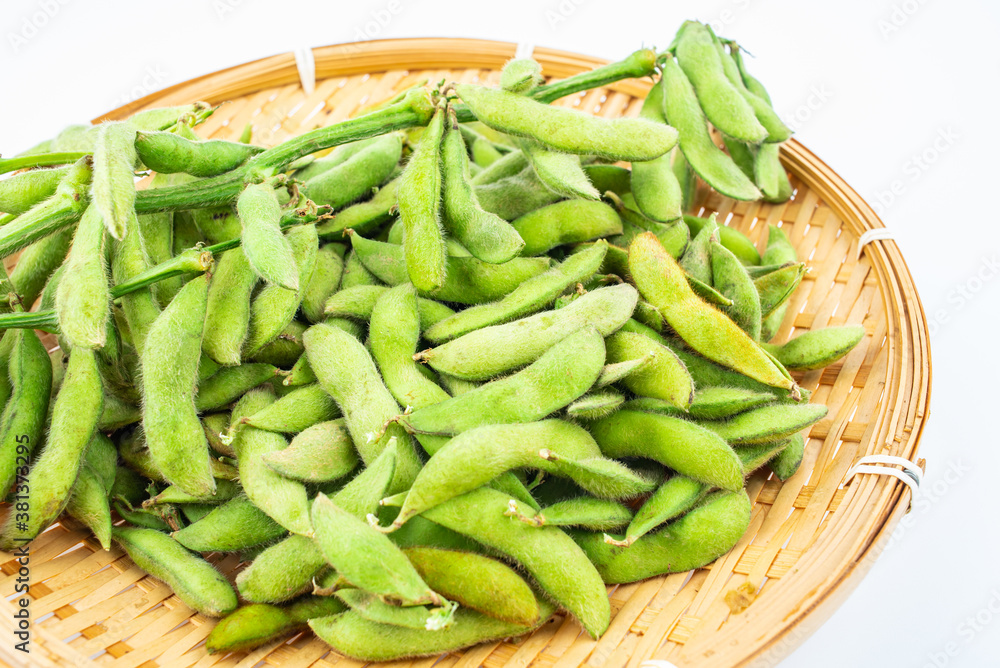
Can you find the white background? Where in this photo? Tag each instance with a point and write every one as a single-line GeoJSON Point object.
{"type": "Point", "coordinates": [883, 90]}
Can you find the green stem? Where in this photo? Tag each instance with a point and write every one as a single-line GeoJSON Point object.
{"type": "Point", "coordinates": [39, 160]}
{"type": "Point", "coordinates": [43, 320]}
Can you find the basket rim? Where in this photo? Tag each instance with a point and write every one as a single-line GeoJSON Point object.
{"type": "Point", "coordinates": [850, 541]}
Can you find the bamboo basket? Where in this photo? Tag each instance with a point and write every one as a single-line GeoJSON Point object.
{"type": "Point", "coordinates": [810, 540]}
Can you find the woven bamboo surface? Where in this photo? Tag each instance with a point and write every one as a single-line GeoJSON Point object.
{"type": "Point", "coordinates": [811, 539]}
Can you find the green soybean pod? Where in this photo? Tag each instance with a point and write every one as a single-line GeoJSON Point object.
{"type": "Point", "coordinates": [721, 101]}
{"type": "Point", "coordinates": [394, 333]}
{"type": "Point", "coordinates": [663, 376]}
{"type": "Point", "coordinates": [609, 178]}
{"type": "Point", "coordinates": [356, 274]}
{"type": "Point", "coordinates": [275, 306]}
{"type": "Point", "coordinates": [356, 176]}
{"type": "Point", "coordinates": [470, 281]}
{"type": "Point", "coordinates": [682, 111]}
{"type": "Point", "coordinates": [560, 172]}
{"type": "Point", "coordinates": [195, 581]}
{"type": "Point", "coordinates": [296, 411]}
{"type": "Point", "coordinates": [777, 131]}
{"type": "Point", "coordinates": [571, 221]}
{"type": "Point", "coordinates": [88, 502]}
{"type": "Point", "coordinates": [752, 84]}
{"type": "Point", "coordinates": [730, 277]}
{"type": "Point", "coordinates": [546, 553]}
{"type": "Point", "coordinates": [511, 164]}
{"type": "Point", "coordinates": [697, 260]}
{"type": "Point", "coordinates": [83, 300]}
{"type": "Point", "coordinates": [22, 191]}
{"type": "Point", "coordinates": [172, 495]}
{"type": "Point", "coordinates": [352, 635]}
{"type": "Point", "coordinates": [771, 175]}
{"type": "Point", "coordinates": [654, 184]}
{"type": "Point", "coordinates": [486, 235]}
{"type": "Point", "coordinates": [227, 315]}
{"type": "Point", "coordinates": [286, 349]}
{"type": "Point", "coordinates": [235, 525]}
{"type": "Point", "coordinates": [817, 348]}
{"type": "Point", "coordinates": [37, 263]}
{"type": "Point", "coordinates": [767, 423]}
{"type": "Point", "coordinates": [476, 582]}
{"type": "Point", "coordinates": [583, 511]}
{"type": "Point", "coordinates": [676, 496]}
{"type": "Point", "coordinates": [325, 278]}
{"type": "Point", "coordinates": [490, 351]}
{"type": "Point", "coordinates": [347, 373]}
{"type": "Point", "coordinates": [75, 412]}
{"type": "Point", "coordinates": [683, 446]}
{"type": "Point", "coordinates": [779, 249]}
{"type": "Point", "coordinates": [513, 196]}
{"type": "Point", "coordinates": [282, 571]}
{"type": "Point", "coordinates": [719, 403]}
{"type": "Point", "coordinates": [256, 624]}
{"type": "Point", "coordinates": [520, 75]}
{"type": "Point", "coordinates": [594, 405]}
{"type": "Point", "coordinates": [22, 423]}
{"type": "Point", "coordinates": [230, 383]}
{"type": "Point", "coordinates": [320, 453]}
{"type": "Point", "coordinates": [372, 608]}
{"type": "Point", "coordinates": [661, 281]}
{"type": "Point", "coordinates": [787, 462]}
{"type": "Point", "coordinates": [267, 249]}
{"type": "Point", "coordinates": [383, 569]}
{"type": "Point", "coordinates": [564, 373]}
{"type": "Point", "coordinates": [686, 178]}
{"type": "Point", "coordinates": [532, 295]}
{"type": "Point", "coordinates": [568, 130]}
{"type": "Point", "coordinates": [776, 287]}
{"type": "Point", "coordinates": [696, 539]}
{"type": "Point", "coordinates": [419, 201]}
{"type": "Point", "coordinates": [743, 155]}
{"type": "Point", "coordinates": [484, 153]}
{"type": "Point", "coordinates": [167, 153]}
{"type": "Point", "coordinates": [140, 308]}
{"type": "Point", "coordinates": [284, 500]}
{"type": "Point", "coordinates": [113, 189]}
{"type": "Point", "coordinates": [174, 435]}
{"type": "Point", "coordinates": [732, 239]}
{"type": "Point", "coordinates": [363, 217]}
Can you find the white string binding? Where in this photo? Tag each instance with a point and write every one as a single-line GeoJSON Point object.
{"type": "Point", "coordinates": [911, 475]}
{"type": "Point", "coordinates": [873, 234]}
{"type": "Point", "coordinates": [305, 62]}
{"type": "Point", "coordinates": [524, 50]}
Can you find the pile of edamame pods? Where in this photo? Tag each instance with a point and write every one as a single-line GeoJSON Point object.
{"type": "Point", "coordinates": [453, 376]}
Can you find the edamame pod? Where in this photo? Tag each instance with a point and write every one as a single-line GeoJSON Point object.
{"type": "Point", "coordinates": [470, 281]}
{"type": "Point", "coordinates": [195, 581]}
{"type": "Point", "coordinates": [296, 411]}
{"type": "Point", "coordinates": [266, 248]}
{"type": "Point", "coordinates": [731, 279]}
{"type": "Point", "coordinates": [561, 375]}
{"type": "Point", "coordinates": [568, 130]}
{"type": "Point", "coordinates": [227, 315]}
{"type": "Point", "coordinates": [22, 424]}
{"type": "Point", "coordinates": [682, 111]}
{"type": "Point", "coordinates": [167, 153]}
{"type": "Point", "coordinates": [83, 300]}
{"type": "Point", "coordinates": [258, 623]}
{"type": "Point", "coordinates": [533, 294]}
{"type": "Point", "coordinates": [767, 423]}
{"type": "Point", "coordinates": [787, 462]}
{"type": "Point", "coordinates": [22, 191]}
{"type": "Point", "coordinates": [662, 376]}
{"type": "Point", "coordinates": [509, 165]}
{"type": "Point", "coordinates": [514, 196]}
{"type": "Point", "coordinates": [696, 539]}
{"type": "Point", "coordinates": [174, 435]}
{"type": "Point", "coordinates": [817, 348]}
{"type": "Point", "coordinates": [776, 130]}
{"type": "Point", "coordinates": [661, 281]}
{"type": "Point", "coordinates": [282, 571]}
{"type": "Point", "coordinates": [320, 453]}
{"type": "Point", "coordinates": [571, 221]}
{"type": "Point", "coordinates": [394, 333]}
{"type": "Point", "coordinates": [776, 287]}
{"type": "Point", "coordinates": [722, 103]}
{"type": "Point", "coordinates": [286, 501]}
{"type": "Point", "coordinates": [654, 184]}
{"type": "Point", "coordinates": [356, 176]}
{"type": "Point", "coordinates": [363, 217]}
{"type": "Point", "coordinates": [676, 496]}
{"type": "Point", "coordinates": [731, 238]}
{"type": "Point", "coordinates": [325, 278]}
{"type": "Point", "coordinates": [697, 259]}
{"type": "Point", "coordinates": [88, 502]}
{"type": "Point", "coordinates": [233, 526]}
{"type": "Point", "coordinates": [230, 383]}
{"type": "Point", "coordinates": [487, 236]}
{"type": "Point", "coordinates": [372, 608]}
{"type": "Point", "coordinates": [683, 446]}
{"type": "Point", "coordinates": [560, 172]}
{"type": "Point", "coordinates": [719, 403]}
{"type": "Point", "coordinates": [75, 413]}
{"type": "Point", "coordinates": [594, 405]}
{"type": "Point", "coordinates": [37, 263]}
{"type": "Point", "coordinates": [419, 201]}
{"type": "Point", "coordinates": [113, 189]}
{"type": "Point", "coordinates": [546, 553]}
{"type": "Point", "coordinates": [583, 511]}
{"type": "Point", "coordinates": [358, 302]}
{"type": "Point", "coordinates": [128, 260]}
{"type": "Point", "coordinates": [275, 306]}
{"type": "Point", "coordinates": [347, 373]}
{"type": "Point", "coordinates": [490, 351]}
